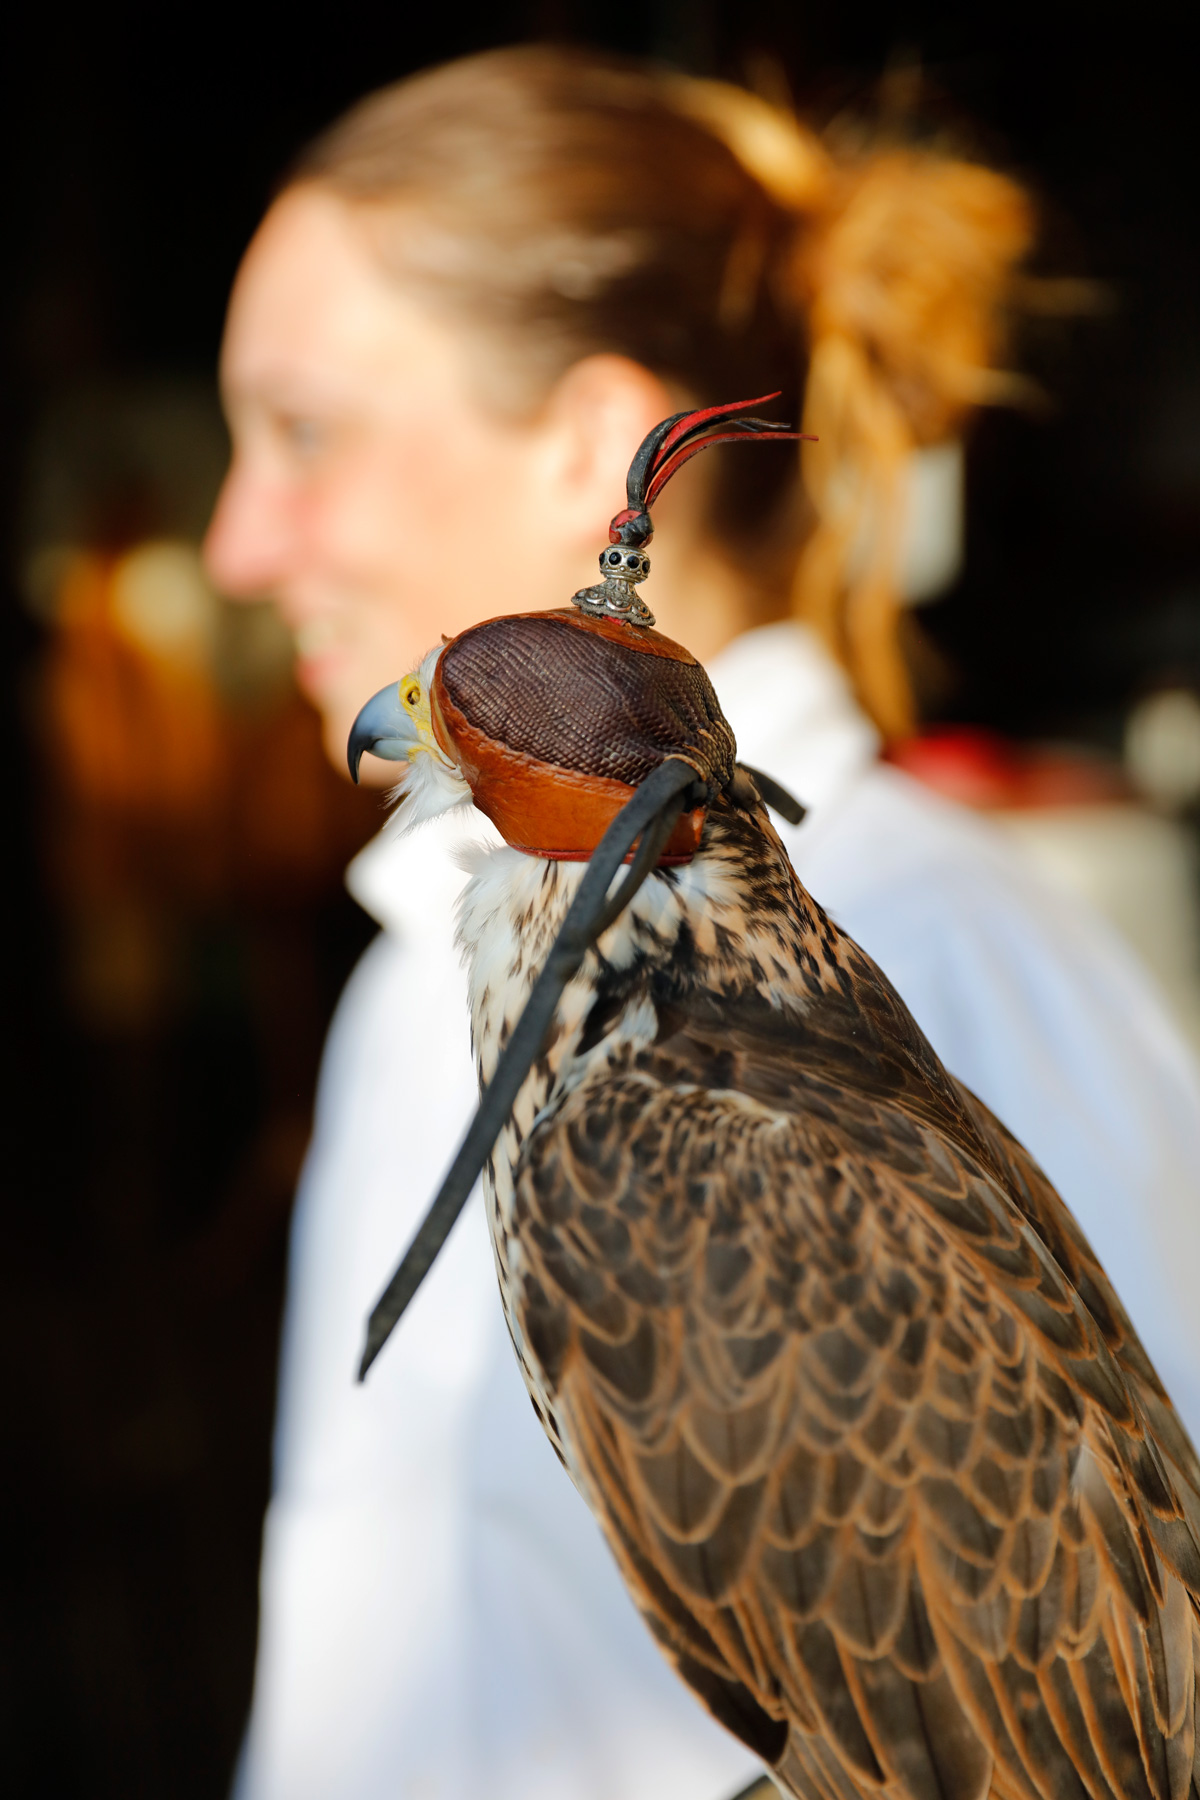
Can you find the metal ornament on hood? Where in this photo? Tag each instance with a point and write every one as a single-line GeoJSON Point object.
{"type": "Point", "coordinates": [661, 454]}
{"type": "Point", "coordinates": [582, 733]}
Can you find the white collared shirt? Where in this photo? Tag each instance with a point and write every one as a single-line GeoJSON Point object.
{"type": "Point", "coordinates": [440, 1617]}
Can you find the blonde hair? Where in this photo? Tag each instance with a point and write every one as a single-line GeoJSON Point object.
{"type": "Point", "coordinates": [577, 203]}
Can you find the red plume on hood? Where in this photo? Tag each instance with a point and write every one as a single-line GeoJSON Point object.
{"type": "Point", "coordinates": [673, 442]}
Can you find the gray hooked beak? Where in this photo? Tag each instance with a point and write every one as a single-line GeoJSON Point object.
{"type": "Point", "coordinates": [384, 728]}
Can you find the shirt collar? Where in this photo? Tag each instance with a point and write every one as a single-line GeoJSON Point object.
{"type": "Point", "coordinates": [793, 711]}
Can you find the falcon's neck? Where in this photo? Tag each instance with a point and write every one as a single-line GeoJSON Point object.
{"type": "Point", "coordinates": [734, 919]}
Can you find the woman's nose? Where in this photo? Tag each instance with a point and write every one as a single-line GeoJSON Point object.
{"type": "Point", "coordinates": [248, 547]}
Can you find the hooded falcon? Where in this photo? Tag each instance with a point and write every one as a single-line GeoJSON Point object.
{"type": "Point", "coordinates": [875, 1446]}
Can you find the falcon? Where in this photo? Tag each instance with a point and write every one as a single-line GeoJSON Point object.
{"type": "Point", "coordinates": [872, 1440]}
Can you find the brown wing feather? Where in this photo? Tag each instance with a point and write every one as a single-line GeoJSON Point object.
{"type": "Point", "coordinates": [1058, 1229]}
{"type": "Point", "coordinates": [877, 1449]}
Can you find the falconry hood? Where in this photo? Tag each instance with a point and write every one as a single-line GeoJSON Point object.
{"type": "Point", "coordinates": [556, 718]}
{"type": "Point", "coordinates": [580, 732]}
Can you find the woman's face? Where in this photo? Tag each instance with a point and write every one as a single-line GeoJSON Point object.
{"type": "Point", "coordinates": [370, 494]}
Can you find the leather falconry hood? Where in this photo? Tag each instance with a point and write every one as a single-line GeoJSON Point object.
{"type": "Point", "coordinates": [582, 733]}
{"type": "Point", "coordinates": [556, 718]}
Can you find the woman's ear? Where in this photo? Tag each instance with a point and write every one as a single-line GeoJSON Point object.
{"type": "Point", "coordinates": [595, 417]}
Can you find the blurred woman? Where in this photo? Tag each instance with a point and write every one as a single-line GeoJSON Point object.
{"type": "Point", "coordinates": [475, 296]}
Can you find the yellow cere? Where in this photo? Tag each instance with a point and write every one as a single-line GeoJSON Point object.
{"type": "Point", "coordinates": [415, 702]}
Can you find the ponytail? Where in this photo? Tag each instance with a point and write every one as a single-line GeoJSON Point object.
{"type": "Point", "coordinates": [903, 266]}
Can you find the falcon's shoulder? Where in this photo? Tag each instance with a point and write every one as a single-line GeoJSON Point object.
{"type": "Point", "coordinates": [876, 1447]}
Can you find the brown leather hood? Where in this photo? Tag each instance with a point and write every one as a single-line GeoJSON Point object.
{"type": "Point", "coordinates": [556, 717]}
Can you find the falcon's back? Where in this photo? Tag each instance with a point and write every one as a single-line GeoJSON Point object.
{"type": "Point", "coordinates": [878, 1452]}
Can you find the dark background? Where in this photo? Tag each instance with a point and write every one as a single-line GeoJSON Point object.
{"type": "Point", "coordinates": [144, 1223]}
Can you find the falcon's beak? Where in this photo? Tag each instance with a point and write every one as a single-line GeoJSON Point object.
{"type": "Point", "coordinates": [385, 728]}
